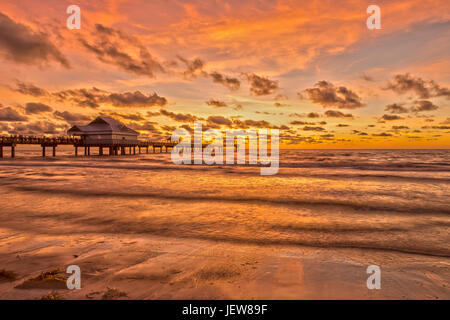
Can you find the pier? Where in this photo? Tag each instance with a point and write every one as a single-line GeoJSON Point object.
{"type": "Point", "coordinates": [113, 148]}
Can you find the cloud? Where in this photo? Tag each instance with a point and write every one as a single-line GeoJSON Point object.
{"type": "Point", "coordinates": [383, 134]}
{"type": "Point", "coordinates": [390, 117]}
{"type": "Point", "coordinates": [337, 114]}
{"type": "Point", "coordinates": [36, 108]}
{"type": "Point", "coordinates": [447, 121]}
{"type": "Point", "coordinates": [39, 127]}
{"type": "Point", "coordinates": [71, 117]}
{"type": "Point", "coordinates": [313, 115]}
{"type": "Point", "coordinates": [93, 97]}
{"type": "Point", "coordinates": [342, 125]}
{"type": "Point", "coordinates": [136, 99]}
{"type": "Point", "coordinates": [29, 89]}
{"type": "Point", "coordinates": [425, 89]}
{"type": "Point", "coordinates": [423, 105]}
{"type": "Point", "coordinates": [399, 127]}
{"type": "Point", "coordinates": [328, 95]}
{"type": "Point", "coordinates": [396, 108]}
{"type": "Point", "coordinates": [114, 47]}
{"type": "Point", "coordinates": [20, 44]}
{"type": "Point", "coordinates": [194, 68]}
{"type": "Point", "coordinates": [180, 117]}
{"type": "Point", "coordinates": [313, 128]}
{"type": "Point", "coordinates": [261, 86]}
{"type": "Point", "coordinates": [231, 83]}
{"type": "Point", "coordinates": [8, 114]}
{"type": "Point", "coordinates": [216, 103]}
{"type": "Point", "coordinates": [219, 120]}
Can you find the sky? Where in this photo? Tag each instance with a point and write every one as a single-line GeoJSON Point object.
{"type": "Point", "coordinates": [311, 69]}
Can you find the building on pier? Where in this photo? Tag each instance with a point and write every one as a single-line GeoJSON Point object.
{"type": "Point", "coordinates": [105, 131]}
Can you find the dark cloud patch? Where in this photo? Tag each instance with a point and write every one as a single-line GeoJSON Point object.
{"type": "Point", "coordinates": [391, 117]}
{"type": "Point", "coordinates": [383, 134]}
{"type": "Point", "coordinates": [342, 125]}
{"type": "Point", "coordinates": [219, 120]}
{"type": "Point", "coordinates": [400, 127]}
{"type": "Point", "coordinates": [92, 98]}
{"type": "Point", "coordinates": [194, 67]}
{"type": "Point", "coordinates": [180, 117]}
{"type": "Point", "coordinates": [307, 128]}
{"type": "Point", "coordinates": [70, 117]}
{"type": "Point", "coordinates": [437, 127]}
{"type": "Point", "coordinates": [127, 116]}
{"type": "Point", "coordinates": [313, 115]}
{"type": "Point", "coordinates": [337, 114]}
{"type": "Point", "coordinates": [403, 83]}
{"type": "Point", "coordinates": [114, 47]}
{"type": "Point", "coordinates": [36, 108]}
{"type": "Point", "coordinates": [20, 44]}
{"type": "Point", "coordinates": [29, 89]}
{"type": "Point", "coordinates": [8, 114]}
{"type": "Point", "coordinates": [136, 99]}
{"type": "Point", "coordinates": [328, 95]}
{"type": "Point", "coordinates": [233, 84]}
{"type": "Point", "coordinates": [396, 108]}
{"type": "Point", "coordinates": [423, 105]}
{"type": "Point", "coordinates": [39, 127]}
{"type": "Point", "coordinates": [216, 103]}
{"type": "Point", "coordinates": [296, 122]}
{"type": "Point", "coordinates": [261, 86]}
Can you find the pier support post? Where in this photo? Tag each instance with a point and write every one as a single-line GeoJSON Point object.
{"type": "Point", "coordinates": [110, 151]}
{"type": "Point", "coordinates": [1, 151]}
{"type": "Point", "coordinates": [147, 149]}
{"type": "Point", "coordinates": [100, 151]}
{"type": "Point", "coordinates": [89, 151]}
{"type": "Point", "coordinates": [54, 151]}
{"type": "Point", "coordinates": [134, 150]}
{"type": "Point", "coordinates": [85, 151]}
{"type": "Point", "coordinates": [13, 151]}
{"type": "Point", "coordinates": [43, 151]}
{"type": "Point", "coordinates": [76, 151]}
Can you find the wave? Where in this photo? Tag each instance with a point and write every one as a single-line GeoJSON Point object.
{"type": "Point", "coordinates": [359, 206]}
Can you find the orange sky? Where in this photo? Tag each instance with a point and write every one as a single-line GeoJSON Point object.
{"type": "Point", "coordinates": [309, 68]}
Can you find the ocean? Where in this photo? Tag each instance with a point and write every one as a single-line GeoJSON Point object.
{"type": "Point", "coordinates": [383, 200]}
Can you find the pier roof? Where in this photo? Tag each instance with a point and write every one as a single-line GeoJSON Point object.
{"type": "Point", "coordinates": [104, 125]}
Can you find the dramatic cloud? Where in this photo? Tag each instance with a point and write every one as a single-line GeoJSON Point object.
{"type": "Point", "coordinates": [36, 108]}
{"type": "Point", "coordinates": [9, 114]}
{"type": "Point", "coordinates": [71, 117]}
{"type": "Point", "coordinates": [126, 52]}
{"type": "Point", "coordinates": [399, 127]}
{"type": "Point", "coordinates": [425, 89]}
{"type": "Point", "coordinates": [261, 86]}
{"type": "Point", "coordinates": [396, 108]}
{"type": "Point", "coordinates": [219, 120]}
{"type": "Point", "coordinates": [20, 44]}
{"type": "Point", "coordinates": [423, 105]}
{"type": "Point", "coordinates": [29, 89]}
{"type": "Point", "coordinates": [337, 114]}
{"type": "Point", "coordinates": [328, 95]}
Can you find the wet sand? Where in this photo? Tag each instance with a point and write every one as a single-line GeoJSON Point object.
{"type": "Point", "coordinates": [151, 267]}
